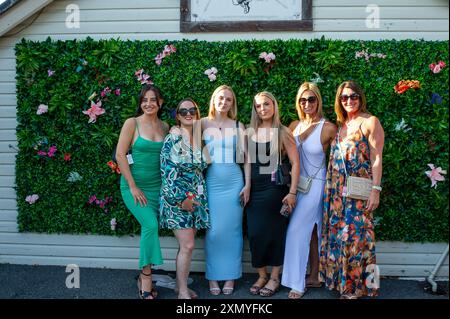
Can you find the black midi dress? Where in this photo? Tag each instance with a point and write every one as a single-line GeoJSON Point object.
{"type": "Point", "coordinates": [266, 226]}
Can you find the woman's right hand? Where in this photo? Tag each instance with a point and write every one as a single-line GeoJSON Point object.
{"type": "Point", "coordinates": [189, 205]}
{"type": "Point", "coordinates": [138, 196]}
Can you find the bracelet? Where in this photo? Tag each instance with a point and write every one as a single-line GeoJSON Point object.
{"type": "Point", "coordinates": [295, 194]}
{"type": "Point", "coordinates": [377, 187]}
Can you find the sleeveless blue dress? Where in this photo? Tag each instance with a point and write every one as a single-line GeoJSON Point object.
{"type": "Point", "coordinates": [223, 241]}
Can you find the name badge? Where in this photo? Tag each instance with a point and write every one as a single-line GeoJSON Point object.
{"type": "Point", "coordinates": [200, 190]}
{"type": "Point", "coordinates": [273, 177]}
{"type": "Point", "coordinates": [130, 159]}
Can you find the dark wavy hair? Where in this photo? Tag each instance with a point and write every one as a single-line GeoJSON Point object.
{"type": "Point", "coordinates": [159, 97]}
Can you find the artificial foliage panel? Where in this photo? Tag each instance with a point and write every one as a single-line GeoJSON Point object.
{"type": "Point", "coordinates": [64, 184]}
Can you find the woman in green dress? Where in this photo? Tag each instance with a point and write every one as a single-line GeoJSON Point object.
{"type": "Point", "coordinates": [184, 207]}
{"type": "Point", "coordinates": [141, 181]}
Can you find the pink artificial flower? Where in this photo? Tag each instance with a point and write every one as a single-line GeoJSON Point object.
{"type": "Point", "coordinates": [211, 73]}
{"type": "Point", "coordinates": [67, 157]}
{"type": "Point", "coordinates": [365, 54]}
{"type": "Point", "coordinates": [50, 72]}
{"type": "Point", "coordinates": [360, 54]}
{"type": "Point", "coordinates": [158, 59]}
{"type": "Point", "coordinates": [113, 223]}
{"type": "Point", "coordinates": [213, 70]}
{"type": "Point", "coordinates": [42, 153]}
{"type": "Point", "coordinates": [42, 108]}
{"type": "Point", "coordinates": [92, 199]}
{"type": "Point", "coordinates": [436, 68]}
{"type": "Point", "coordinates": [31, 199]}
{"type": "Point", "coordinates": [142, 77]}
{"type": "Point", "coordinates": [268, 57]}
{"type": "Point", "coordinates": [117, 91]}
{"type": "Point", "coordinates": [168, 50]}
{"type": "Point", "coordinates": [435, 175]}
{"type": "Point", "coordinates": [105, 91]}
{"type": "Point", "coordinates": [138, 73]}
{"type": "Point", "coordinates": [95, 110]}
{"type": "Point", "coordinates": [51, 151]}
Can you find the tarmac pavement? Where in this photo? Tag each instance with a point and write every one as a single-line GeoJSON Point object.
{"type": "Point", "coordinates": [49, 282]}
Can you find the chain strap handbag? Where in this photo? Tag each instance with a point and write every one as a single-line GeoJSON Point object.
{"type": "Point", "coordinates": [355, 187]}
{"type": "Point", "coordinates": [304, 183]}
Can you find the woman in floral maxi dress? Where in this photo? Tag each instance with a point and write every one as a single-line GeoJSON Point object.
{"type": "Point", "coordinates": [347, 257]}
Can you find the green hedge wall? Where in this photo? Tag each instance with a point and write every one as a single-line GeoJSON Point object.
{"type": "Point", "coordinates": [64, 75]}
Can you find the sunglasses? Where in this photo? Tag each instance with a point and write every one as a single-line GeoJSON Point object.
{"type": "Point", "coordinates": [184, 112]}
{"type": "Point", "coordinates": [311, 99]}
{"type": "Point", "coordinates": [353, 97]}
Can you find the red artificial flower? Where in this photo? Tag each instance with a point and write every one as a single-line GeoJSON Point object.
{"type": "Point", "coordinates": [67, 157]}
{"type": "Point", "coordinates": [114, 167]}
{"type": "Point", "coordinates": [404, 85]}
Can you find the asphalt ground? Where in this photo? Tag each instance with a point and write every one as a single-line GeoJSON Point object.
{"type": "Point", "coordinates": [49, 282]}
{"type": "Point", "coordinates": [44, 291]}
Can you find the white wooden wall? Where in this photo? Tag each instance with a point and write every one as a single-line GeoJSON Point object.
{"type": "Point", "coordinates": [159, 19]}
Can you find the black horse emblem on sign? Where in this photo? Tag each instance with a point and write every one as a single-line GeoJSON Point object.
{"type": "Point", "coordinates": [244, 4]}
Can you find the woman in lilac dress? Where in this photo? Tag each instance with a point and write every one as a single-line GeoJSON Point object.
{"type": "Point", "coordinates": [313, 135]}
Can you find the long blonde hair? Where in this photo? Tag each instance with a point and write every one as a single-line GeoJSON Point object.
{"type": "Point", "coordinates": [212, 110]}
{"type": "Point", "coordinates": [256, 121]}
{"type": "Point", "coordinates": [308, 86]}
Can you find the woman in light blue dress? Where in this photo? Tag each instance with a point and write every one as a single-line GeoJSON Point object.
{"type": "Point", "coordinates": [228, 191]}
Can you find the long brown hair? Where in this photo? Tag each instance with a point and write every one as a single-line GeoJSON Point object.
{"type": "Point", "coordinates": [158, 95]}
{"type": "Point", "coordinates": [341, 113]}
{"type": "Point", "coordinates": [197, 114]}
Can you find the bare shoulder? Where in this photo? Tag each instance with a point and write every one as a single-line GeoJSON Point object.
{"type": "Point", "coordinates": [372, 123]}
{"type": "Point", "coordinates": [165, 126]}
{"type": "Point", "coordinates": [204, 121]}
{"type": "Point", "coordinates": [130, 123]}
{"type": "Point", "coordinates": [241, 126]}
{"type": "Point", "coordinates": [293, 125]}
{"type": "Point", "coordinates": [286, 134]}
{"type": "Point", "coordinates": [330, 128]}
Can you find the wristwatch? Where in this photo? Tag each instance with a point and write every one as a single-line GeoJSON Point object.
{"type": "Point", "coordinates": [377, 187]}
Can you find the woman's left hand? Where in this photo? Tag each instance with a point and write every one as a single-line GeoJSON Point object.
{"type": "Point", "coordinates": [373, 201]}
{"type": "Point", "coordinates": [244, 195]}
{"type": "Point", "coordinates": [290, 200]}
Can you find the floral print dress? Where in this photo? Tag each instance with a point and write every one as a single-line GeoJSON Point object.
{"type": "Point", "coordinates": [347, 254]}
{"type": "Point", "coordinates": [182, 176]}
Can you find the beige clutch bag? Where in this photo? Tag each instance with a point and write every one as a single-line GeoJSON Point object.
{"type": "Point", "coordinates": [358, 187]}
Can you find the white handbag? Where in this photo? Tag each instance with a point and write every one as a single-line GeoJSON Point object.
{"type": "Point", "coordinates": [304, 184]}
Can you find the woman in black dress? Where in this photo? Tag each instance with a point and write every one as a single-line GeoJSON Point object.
{"type": "Point", "coordinates": [266, 226]}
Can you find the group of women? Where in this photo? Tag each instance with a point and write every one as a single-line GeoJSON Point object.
{"type": "Point", "coordinates": [203, 172]}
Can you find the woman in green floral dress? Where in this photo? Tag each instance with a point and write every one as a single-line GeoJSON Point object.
{"type": "Point", "coordinates": [183, 203]}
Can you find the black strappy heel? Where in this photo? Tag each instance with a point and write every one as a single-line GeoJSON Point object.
{"type": "Point", "coordinates": [145, 294]}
